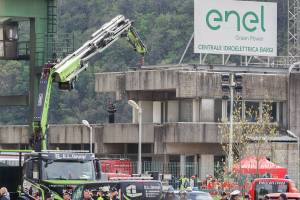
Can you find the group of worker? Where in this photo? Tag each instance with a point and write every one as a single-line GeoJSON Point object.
{"type": "Point", "coordinates": [183, 195]}
{"type": "Point", "coordinates": [209, 183]}
{"type": "Point", "coordinates": [102, 194]}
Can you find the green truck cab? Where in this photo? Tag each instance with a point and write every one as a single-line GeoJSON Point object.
{"type": "Point", "coordinates": [50, 173]}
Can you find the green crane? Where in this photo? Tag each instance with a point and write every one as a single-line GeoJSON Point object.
{"type": "Point", "coordinates": [66, 71]}
{"type": "Point", "coordinates": [48, 172]}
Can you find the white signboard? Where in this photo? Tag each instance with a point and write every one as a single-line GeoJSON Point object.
{"type": "Point", "coordinates": [235, 27]}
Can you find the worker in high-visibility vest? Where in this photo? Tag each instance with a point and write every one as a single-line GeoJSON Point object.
{"type": "Point", "coordinates": [184, 183]}
{"type": "Point", "coordinates": [100, 194]}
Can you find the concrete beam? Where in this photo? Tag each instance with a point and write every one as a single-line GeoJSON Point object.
{"type": "Point", "coordinates": [192, 133]}
{"type": "Point", "coordinates": [127, 133]}
{"type": "Point", "coordinates": [191, 84]}
{"type": "Point", "coordinates": [14, 134]}
{"type": "Point", "coordinates": [14, 100]}
{"type": "Point", "coordinates": [119, 133]}
{"type": "Point", "coordinates": [194, 148]}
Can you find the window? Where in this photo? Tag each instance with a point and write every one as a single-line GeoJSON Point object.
{"type": "Point", "coordinates": [76, 146]}
{"type": "Point", "coordinates": [218, 109]}
{"type": "Point", "coordinates": [63, 170]}
{"type": "Point", "coordinates": [147, 148]}
{"type": "Point", "coordinates": [87, 147]}
{"type": "Point", "coordinates": [133, 148]}
{"type": "Point", "coordinates": [237, 108]}
{"type": "Point", "coordinates": [272, 109]}
{"type": "Point", "coordinates": [164, 112]}
{"type": "Point", "coordinates": [252, 111]}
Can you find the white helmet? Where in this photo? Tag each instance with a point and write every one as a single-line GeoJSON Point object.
{"type": "Point", "coordinates": [235, 193]}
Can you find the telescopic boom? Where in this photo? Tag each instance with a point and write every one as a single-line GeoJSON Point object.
{"type": "Point", "coordinates": [66, 71]}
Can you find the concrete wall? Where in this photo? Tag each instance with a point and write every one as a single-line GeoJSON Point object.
{"type": "Point", "coordinates": [74, 134]}
{"type": "Point", "coordinates": [149, 80]}
{"type": "Point", "coordinates": [127, 133]}
{"type": "Point", "coordinates": [13, 134]}
{"type": "Point", "coordinates": [194, 148]}
{"type": "Point", "coordinates": [191, 133]}
{"type": "Point", "coordinates": [119, 133]}
{"type": "Point", "coordinates": [193, 84]}
{"type": "Point", "coordinates": [284, 154]}
{"type": "Point", "coordinates": [294, 102]}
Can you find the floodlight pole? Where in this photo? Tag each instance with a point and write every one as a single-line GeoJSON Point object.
{"type": "Point", "coordinates": [87, 124]}
{"type": "Point", "coordinates": [290, 133]}
{"type": "Point", "coordinates": [134, 105]}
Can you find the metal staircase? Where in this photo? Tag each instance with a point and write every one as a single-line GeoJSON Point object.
{"type": "Point", "coordinates": [51, 29]}
{"type": "Point", "coordinates": [58, 45]}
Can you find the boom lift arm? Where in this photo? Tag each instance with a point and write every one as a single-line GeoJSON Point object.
{"type": "Point", "coordinates": [66, 71]}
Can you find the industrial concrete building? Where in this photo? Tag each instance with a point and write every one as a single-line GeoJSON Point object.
{"type": "Point", "coordinates": [182, 108]}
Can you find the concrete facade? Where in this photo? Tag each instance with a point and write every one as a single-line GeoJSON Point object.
{"type": "Point", "coordinates": [182, 110]}
{"type": "Point", "coordinates": [193, 100]}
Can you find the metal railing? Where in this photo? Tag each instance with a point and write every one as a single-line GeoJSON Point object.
{"type": "Point", "coordinates": [23, 49]}
{"type": "Point", "coordinates": [247, 61]}
{"type": "Point", "coordinates": [52, 46]}
{"type": "Point", "coordinates": [173, 168]}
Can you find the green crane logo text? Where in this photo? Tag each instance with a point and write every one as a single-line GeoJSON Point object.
{"type": "Point", "coordinates": [250, 21]}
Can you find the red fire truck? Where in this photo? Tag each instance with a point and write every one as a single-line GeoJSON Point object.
{"type": "Point", "coordinates": [262, 186]}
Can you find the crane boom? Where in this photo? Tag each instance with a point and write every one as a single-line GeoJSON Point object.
{"type": "Point", "coordinates": [66, 71]}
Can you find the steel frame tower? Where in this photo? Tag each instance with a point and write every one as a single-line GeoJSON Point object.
{"type": "Point", "coordinates": [293, 30]}
{"type": "Point", "coordinates": [41, 15]}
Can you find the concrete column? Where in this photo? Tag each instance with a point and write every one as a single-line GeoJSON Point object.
{"type": "Point", "coordinates": [182, 165]}
{"type": "Point", "coordinates": [196, 165]}
{"type": "Point", "coordinates": [207, 110]}
{"type": "Point", "coordinates": [147, 107]}
{"type": "Point", "coordinates": [224, 110]}
{"type": "Point", "coordinates": [173, 111]}
{"type": "Point", "coordinates": [157, 112]}
{"type": "Point", "coordinates": [284, 115]}
{"type": "Point", "coordinates": [207, 165]}
{"type": "Point", "coordinates": [196, 110]}
{"type": "Point", "coordinates": [96, 144]}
